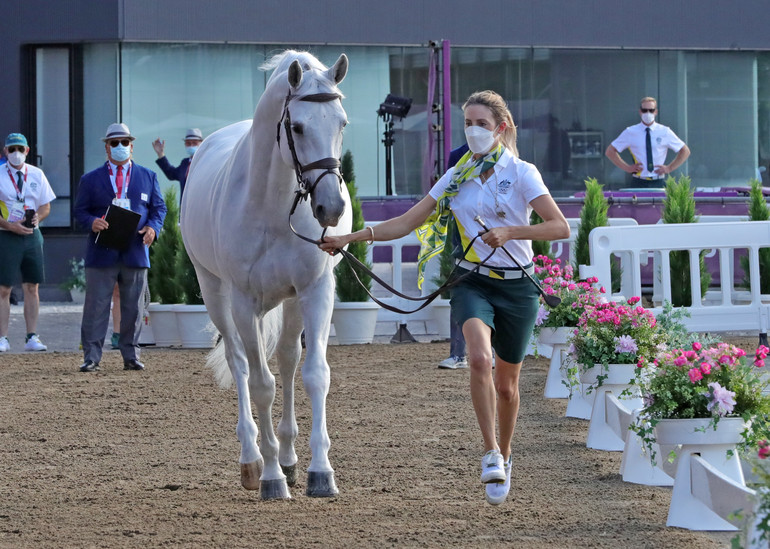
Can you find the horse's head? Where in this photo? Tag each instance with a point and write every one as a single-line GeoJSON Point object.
{"type": "Point", "coordinates": [310, 135]}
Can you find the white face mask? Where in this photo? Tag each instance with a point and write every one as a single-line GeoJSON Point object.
{"type": "Point", "coordinates": [191, 150]}
{"type": "Point", "coordinates": [479, 139]}
{"type": "Point", "coordinates": [17, 158]}
{"type": "Point", "coordinates": [120, 153]}
{"type": "Point", "coordinates": [648, 118]}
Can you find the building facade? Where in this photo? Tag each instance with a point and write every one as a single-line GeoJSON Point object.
{"type": "Point", "coordinates": [572, 73]}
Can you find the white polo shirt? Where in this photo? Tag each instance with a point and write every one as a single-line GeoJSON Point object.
{"type": "Point", "coordinates": [35, 192]}
{"type": "Point", "coordinates": [516, 183]}
{"type": "Point", "coordinates": [661, 139]}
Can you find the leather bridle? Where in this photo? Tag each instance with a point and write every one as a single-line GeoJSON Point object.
{"type": "Point", "coordinates": [330, 166]}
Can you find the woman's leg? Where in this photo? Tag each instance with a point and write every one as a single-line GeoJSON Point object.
{"type": "Point", "coordinates": [479, 352]}
{"type": "Point", "coordinates": [507, 387]}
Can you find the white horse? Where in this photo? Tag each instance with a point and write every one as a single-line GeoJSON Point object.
{"type": "Point", "coordinates": [261, 284]}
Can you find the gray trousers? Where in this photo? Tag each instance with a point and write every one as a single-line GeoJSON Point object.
{"type": "Point", "coordinates": [100, 282]}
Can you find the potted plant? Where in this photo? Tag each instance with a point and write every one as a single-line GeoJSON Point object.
{"type": "Point", "coordinates": [554, 325]}
{"type": "Point", "coordinates": [76, 283]}
{"type": "Point", "coordinates": [165, 289]}
{"type": "Point", "coordinates": [758, 211]}
{"type": "Point", "coordinates": [679, 207]}
{"type": "Point", "coordinates": [355, 315]}
{"type": "Point", "coordinates": [701, 388]}
{"type": "Point", "coordinates": [440, 306]}
{"type": "Point", "coordinates": [192, 318]}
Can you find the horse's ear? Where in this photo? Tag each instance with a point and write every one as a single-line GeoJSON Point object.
{"type": "Point", "coordinates": [339, 70]}
{"type": "Point", "coordinates": [295, 74]}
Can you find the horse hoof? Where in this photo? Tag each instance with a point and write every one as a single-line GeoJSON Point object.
{"type": "Point", "coordinates": [274, 489]}
{"type": "Point", "coordinates": [321, 485]}
{"type": "Point", "coordinates": [291, 473]}
{"type": "Point", "coordinates": [250, 473]}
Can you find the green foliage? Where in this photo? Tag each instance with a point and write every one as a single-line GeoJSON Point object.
{"type": "Point", "coordinates": [592, 215]}
{"type": "Point", "coordinates": [758, 211]}
{"type": "Point", "coordinates": [348, 287]}
{"type": "Point", "coordinates": [679, 207]}
{"type": "Point", "coordinates": [539, 247]}
{"type": "Point", "coordinates": [77, 278]}
{"type": "Point", "coordinates": [671, 322]}
{"type": "Point", "coordinates": [162, 276]}
{"type": "Point", "coordinates": [187, 279]}
{"type": "Point", "coordinates": [346, 167]}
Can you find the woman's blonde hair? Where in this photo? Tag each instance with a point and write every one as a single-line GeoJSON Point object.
{"type": "Point", "coordinates": [500, 112]}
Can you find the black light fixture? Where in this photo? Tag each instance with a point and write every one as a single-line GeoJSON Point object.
{"type": "Point", "coordinates": [395, 106]}
{"type": "Point", "coordinates": [398, 107]}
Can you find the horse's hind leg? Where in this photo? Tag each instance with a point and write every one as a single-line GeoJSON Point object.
{"type": "Point", "coordinates": [218, 307]}
{"type": "Point", "coordinates": [288, 354]}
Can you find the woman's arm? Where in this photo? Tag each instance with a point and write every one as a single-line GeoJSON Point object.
{"type": "Point", "coordinates": [387, 230]}
{"type": "Point", "coordinates": [553, 227]}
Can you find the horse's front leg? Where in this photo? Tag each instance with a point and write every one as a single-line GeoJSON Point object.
{"type": "Point", "coordinates": [316, 304]}
{"type": "Point", "coordinates": [288, 353]}
{"type": "Point", "coordinates": [262, 385]}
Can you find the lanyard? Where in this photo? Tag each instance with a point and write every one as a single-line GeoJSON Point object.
{"type": "Point", "coordinates": [19, 196]}
{"type": "Point", "coordinates": [126, 177]}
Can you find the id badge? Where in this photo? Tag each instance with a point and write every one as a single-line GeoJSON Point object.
{"type": "Point", "coordinates": [122, 203]}
{"type": "Point", "coordinates": [16, 213]}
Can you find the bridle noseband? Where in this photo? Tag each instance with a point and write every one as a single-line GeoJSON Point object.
{"type": "Point", "coordinates": [330, 166]}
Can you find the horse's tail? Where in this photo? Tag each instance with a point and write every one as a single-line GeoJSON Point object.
{"type": "Point", "coordinates": [271, 330]}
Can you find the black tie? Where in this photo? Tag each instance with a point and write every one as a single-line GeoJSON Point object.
{"type": "Point", "coordinates": [20, 179]}
{"type": "Point", "coordinates": [648, 143]}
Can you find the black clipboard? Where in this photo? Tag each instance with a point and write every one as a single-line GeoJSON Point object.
{"type": "Point", "coordinates": [122, 229]}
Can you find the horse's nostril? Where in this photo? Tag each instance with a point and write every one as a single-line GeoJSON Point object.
{"type": "Point", "coordinates": [319, 212]}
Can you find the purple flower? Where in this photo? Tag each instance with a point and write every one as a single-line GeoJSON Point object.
{"type": "Point", "coordinates": [722, 399]}
{"type": "Point", "coordinates": [542, 315]}
{"type": "Point", "coordinates": [625, 344]}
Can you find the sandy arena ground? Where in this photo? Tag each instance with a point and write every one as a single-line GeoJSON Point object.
{"type": "Point", "coordinates": [149, 459]}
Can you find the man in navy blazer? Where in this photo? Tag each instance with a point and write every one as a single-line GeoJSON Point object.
{"type": "Point", "coordinates": [122, 183]}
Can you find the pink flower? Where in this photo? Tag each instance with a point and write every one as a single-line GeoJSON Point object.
{"type": "Point", "coordinates": [763, 452]}
{"type": "Point", "coordinates": [602, 290]}
{"type": "Point", "coordinates": [680, 361]}
{"type": "Point", "coordinates": [697, 346]}
{"type": "Point", "coordinates": [634, 300]}
{"type": "Point", "coordinates": [695, 375]}
{"type": "Point", "coordinates": [721, 398]}
{"type": "Point", "coordinates": [759, 363]}
{"type": "Point", "coordinates": [571, 286]}
{"type": "Point", "coordinates": [705, 368]}
{"type": "Point", "coordinates": [762, 352]}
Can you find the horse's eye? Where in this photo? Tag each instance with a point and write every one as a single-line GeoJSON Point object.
{"type": "Point", "coordinates": [297, 128]}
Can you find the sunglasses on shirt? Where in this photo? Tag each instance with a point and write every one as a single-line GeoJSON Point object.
{"type": "Point", "coordinates": [116, 142]}
{"type": "Point", "coordinates": [14, 149]}
{"type": "Point", "coordinates": [648, 110]}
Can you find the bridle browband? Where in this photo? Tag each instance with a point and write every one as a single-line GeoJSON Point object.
{"type": "Point", "coordinates": [330, 166]}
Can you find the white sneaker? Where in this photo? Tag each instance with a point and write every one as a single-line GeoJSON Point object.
{"type": "Point", "coordinates": [5, 345]}
{"type": "Point", "coordinates": [492, 469]}
{"type": "Point", "coordinates": [497, 492]}
{"type": "Point", "coordinates": [453, 363]}
{"type": "Point", "coordinates": [34, 344]}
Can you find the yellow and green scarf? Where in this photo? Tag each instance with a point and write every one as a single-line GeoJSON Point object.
{"type": "Point", "coordinates": [432, 234]}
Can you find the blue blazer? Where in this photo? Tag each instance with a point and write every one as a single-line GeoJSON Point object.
{"type": "Point", "coordinates": [95, 194]}
{"type": "Point", "coordinates": [178, 173]}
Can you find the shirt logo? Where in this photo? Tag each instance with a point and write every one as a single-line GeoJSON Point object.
{"type": "Point", "coordinates": [658, 140]}
{"type": "Point", "coordinates": [503, 187]}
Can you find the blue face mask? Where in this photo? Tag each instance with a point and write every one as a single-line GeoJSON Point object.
{"type": "Point", "coordinates": [191, 150]}
{"type": "Point", "coordinates": [120, 153]}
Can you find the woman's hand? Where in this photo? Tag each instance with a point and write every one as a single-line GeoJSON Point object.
{"type": "Point", "coordinates": [495, 238]}
{"type": "Point", "coordinates": [331, 244]}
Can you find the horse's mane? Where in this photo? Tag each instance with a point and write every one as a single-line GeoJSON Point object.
{"type": "Point", "coordinates": [280, 62]}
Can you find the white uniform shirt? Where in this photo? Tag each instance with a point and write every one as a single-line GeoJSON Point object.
{"type": "Point", "coordinates": [661, 139]}
{"type": "Point", "coordinates": [516, 183]}
{"type": "Point", "coordinates": [36, 191]}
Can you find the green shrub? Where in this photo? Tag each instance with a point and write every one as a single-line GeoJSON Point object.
{"type": "Point", "coordinates": [758, 211]}
{"type": "Point", "coordinates": [162, 275]}
{"type": "Point", "coordinates": [187, 279]}
{"type": "Point", "coordinates": [594, 214]}
{"type": "Point", "coordinates": [348, 288]}
{"type": "Point", "coordinates": [679, 207]}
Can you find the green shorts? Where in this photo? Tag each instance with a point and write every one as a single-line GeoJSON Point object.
{"type": "Point", "coordinates": [21, 254]}
{"type": "Point", "coordinates": [509, 307]}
